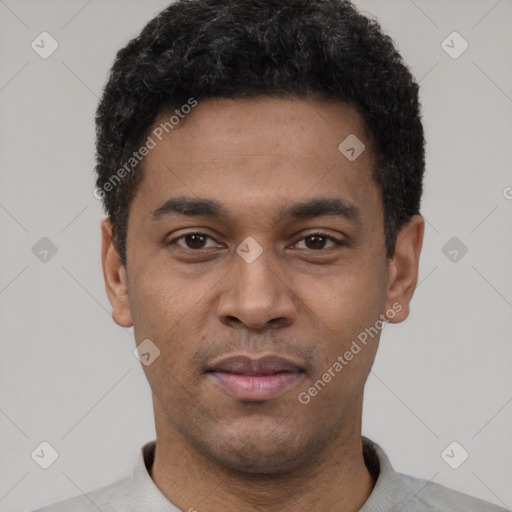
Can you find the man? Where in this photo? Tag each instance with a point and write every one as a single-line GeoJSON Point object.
{"type": "Point", "coordinates": [261, 166]}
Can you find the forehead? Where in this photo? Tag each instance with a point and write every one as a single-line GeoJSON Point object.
{"type": "Point", "coordinates": [264, 125]}
{"type": "Point", "coordinates": [245, 153]}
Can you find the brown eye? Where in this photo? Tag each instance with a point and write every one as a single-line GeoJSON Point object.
{"type": "Point", "coordinates": [318, 241]}
{"type": "Point", "coordinates": [194, 241]}
{"type": "Point", "coordinates": [315, 241]}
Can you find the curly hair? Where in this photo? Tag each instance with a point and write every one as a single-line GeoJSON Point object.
{"type": "Point", "coordinates": [241, 49]}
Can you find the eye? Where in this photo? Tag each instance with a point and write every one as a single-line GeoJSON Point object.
{"type": "Point", "coordinates": [197, 241]}
{"type": "Point", "coordinates": [194, 241]}
{"type": "Point", "coordinates": [318, 241]}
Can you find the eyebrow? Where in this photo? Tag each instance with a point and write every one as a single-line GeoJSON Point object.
{"type": "Point", "coordinates": [312, 208]}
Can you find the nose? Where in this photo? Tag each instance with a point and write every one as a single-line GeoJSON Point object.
{"type": "Point", "coordinates": [257, 295]}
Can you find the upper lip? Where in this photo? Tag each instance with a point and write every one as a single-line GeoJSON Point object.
{"type": "Point", "coordinates": [246, 365]}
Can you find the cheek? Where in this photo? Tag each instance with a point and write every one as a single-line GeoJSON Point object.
{"type": "Point", "coordinates": [161, 298]}
{"type": "Point", "coordinates": [166, 311]}
{"type": "Point", "coordinates": [348, 299]}
{"type": "Point", "coordinates": [346, 337]}
{"type": "Point", "coordinates": [346, 308]}
{"type": "Point", "coordinates": [171, 310]}
{"type": "Point", "coordinates": [155, 307]}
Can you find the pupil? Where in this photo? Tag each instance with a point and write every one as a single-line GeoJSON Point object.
{"type": "Point", "coordinates": [312, 242]}
{"type": "Point", "coordinates": [317, 242]}
{"type": "Point", "coordinates": [195, 241]}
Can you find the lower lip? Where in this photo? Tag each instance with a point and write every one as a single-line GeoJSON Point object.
{"type": "Point", "coordinates": [256, 388]}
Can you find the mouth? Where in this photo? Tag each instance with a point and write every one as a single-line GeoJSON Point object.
{"type": "Point", "coordinates": [255, 380]}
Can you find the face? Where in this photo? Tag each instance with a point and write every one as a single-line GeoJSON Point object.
{"type": "Point", "coordinates": [255, 260]}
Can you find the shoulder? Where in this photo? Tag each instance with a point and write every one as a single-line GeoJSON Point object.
{"type": "Point", "coordinates": [428, 496]}
{"type": "Point", "coordinates": [111, 498]}
{"type": "Point", "coordinates": [397, 491]}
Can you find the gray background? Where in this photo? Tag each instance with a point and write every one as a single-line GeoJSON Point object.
{"type": "Point", "coordinates": [68, 374]}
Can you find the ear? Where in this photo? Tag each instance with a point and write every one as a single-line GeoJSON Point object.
{"type": "Point", "coordinates": [115, 277]}
{"type": "Point", "coordinates": [403, 269]}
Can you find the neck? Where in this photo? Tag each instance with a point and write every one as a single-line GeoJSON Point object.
{"type": "Point", "coordinates": [336, 480]}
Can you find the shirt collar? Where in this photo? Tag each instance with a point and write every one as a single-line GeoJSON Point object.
{"type": "Point", "coordinates": [145, 495]}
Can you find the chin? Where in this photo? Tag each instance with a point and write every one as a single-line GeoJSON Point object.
{"type": "Point", "coordinates": [257, 461]}
{"type": "Point", "coordinates": [264, 451]}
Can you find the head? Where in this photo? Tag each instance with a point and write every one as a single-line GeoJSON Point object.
{"type": "Point", "coordinates": [261, 168]}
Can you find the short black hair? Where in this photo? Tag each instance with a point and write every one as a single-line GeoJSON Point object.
{"type": "Point", "coordinates": [198, 49]}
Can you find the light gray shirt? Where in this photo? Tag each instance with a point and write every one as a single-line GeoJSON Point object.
{"type": "Point", "coordinates": [393, 492]}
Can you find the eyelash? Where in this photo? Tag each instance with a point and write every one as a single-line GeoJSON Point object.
{"type": "Point", "coordinates": [319, 234]}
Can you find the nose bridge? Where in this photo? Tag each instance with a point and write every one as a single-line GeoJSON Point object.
{"type": "Point", "coordinates": [256, 295]}
{"type": "Point", "coordinates": [255, 282]}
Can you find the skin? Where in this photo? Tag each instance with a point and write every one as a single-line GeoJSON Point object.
{"type": "Point", "coordinates": [303, 298]}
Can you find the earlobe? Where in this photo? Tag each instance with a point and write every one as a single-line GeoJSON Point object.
{"type": "Point", "coordinates": [403, 269]}
{"type": "Point", "coordinates": [115, 277]}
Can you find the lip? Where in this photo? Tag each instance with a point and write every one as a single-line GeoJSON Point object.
{"type": "Point", "coordinates": [255, 379]}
